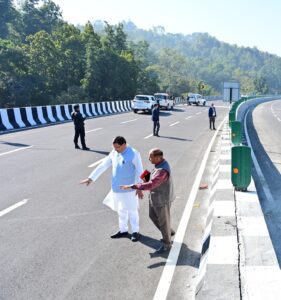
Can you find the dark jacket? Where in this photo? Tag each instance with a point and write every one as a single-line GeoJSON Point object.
{"type": "Point", "coordinates": [78, 120]}
{"type": "Point", "coordinates": [155, 114]}
{"type": "Point", "coordinates": [212, 112]}
{"type": "Point", "coordinates": [164, 193]}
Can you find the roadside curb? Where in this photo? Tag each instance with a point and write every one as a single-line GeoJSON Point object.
{"type": "Point", "coordinates": [237, 259]}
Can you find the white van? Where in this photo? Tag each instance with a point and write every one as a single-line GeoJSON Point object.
{"type": "Point", "coordinates": [143, 102]}
{"type": "Point", "coordinates": [164, 100]}
{"type": "Point", "coordinates": [196, 99]}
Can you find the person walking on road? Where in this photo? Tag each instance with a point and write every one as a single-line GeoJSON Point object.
{"type": "Point", "coordinates": [212, 116]}
{"type": "Point", "coordinates": [79, 127]}
{"type": "Point", "coordinates": [126, 169]}
{"type": "Point", "coordinates": [155, 119]}
{"type": "Point", "coordinates": [161, 196]}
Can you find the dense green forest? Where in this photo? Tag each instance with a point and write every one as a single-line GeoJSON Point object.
{"type": "Point", "coordinates": [45, 60]}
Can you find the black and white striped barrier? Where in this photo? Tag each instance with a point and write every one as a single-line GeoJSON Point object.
{"type": "Point", "coordinates": [24, 117]}
{"type": "Point", "coordinates": [209, 222]}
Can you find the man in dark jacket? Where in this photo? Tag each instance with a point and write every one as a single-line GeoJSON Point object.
{"type": "Point", "coordinates": [160, 197]}
{"type": "Point", "coordinates": [155, 119]}
{"type": "Point", "coordinates": [212, 116]}
{"type": "Point", "coordinates": [79, 127]}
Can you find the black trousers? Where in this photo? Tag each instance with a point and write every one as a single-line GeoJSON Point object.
{"type": "Point", "coordinates": [212, 122]}
{"type": "Point", "coordinates": [156, 127]}
{"type": "Point", "coordinates": [80, 132]}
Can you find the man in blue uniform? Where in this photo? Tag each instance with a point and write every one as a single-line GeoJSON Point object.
{"type": "Point", "coordinates": [79, 128]}
{"type": "Point", "coordinates": [155, 119]}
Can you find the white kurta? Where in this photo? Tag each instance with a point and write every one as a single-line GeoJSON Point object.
{"type": "Point", "coordinates": [120, 201]}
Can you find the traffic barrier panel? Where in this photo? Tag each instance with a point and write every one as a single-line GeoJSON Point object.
{"type": "Point", "coordinates": [236, 132]}
{"type": "Point", "coordinates": [231, 117]}
{"type": "Point", "coordinates": [241, 167]}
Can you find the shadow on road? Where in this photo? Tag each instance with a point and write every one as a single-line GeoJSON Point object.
{"type": "Point", "coordinates": [99, 152]}
{"type": "Point", "coordinates": [175, 138]}
{"type": "Point", "coordinates": [14, 144]}
{"type": "Point", "coordinates": [178, 109]}
{"type": "Point", "coordinates": [187, 256]}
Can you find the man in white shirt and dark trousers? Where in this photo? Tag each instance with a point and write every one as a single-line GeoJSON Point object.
{"type": "Point", "coordinates": [126, 169]}
{"type": "Point", "coordinates": [212, 116]}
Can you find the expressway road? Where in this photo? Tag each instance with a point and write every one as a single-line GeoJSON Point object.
{"type": "Point", "coordinates": [55, 233]}
{"type": "Point", "coordinates": [265, 134]}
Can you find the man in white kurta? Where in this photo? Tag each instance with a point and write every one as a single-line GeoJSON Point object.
{"type": "Point", "coordinates": [126, 169]}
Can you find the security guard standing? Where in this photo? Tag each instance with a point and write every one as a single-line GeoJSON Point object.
{"type": "Point", "coordinates": [155, 118]}
{"type": "Point", "coordinates": [79, 127]}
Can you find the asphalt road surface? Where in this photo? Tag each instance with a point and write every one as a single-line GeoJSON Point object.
{"type": "Point", "coordinates": [55, 233]}
{"type": "Point", "coordinates": [265, 134]}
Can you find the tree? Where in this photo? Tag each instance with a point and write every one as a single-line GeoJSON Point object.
{"type": "Point", "coordinates": [36, 18]}
{"type": "Point", "coordinates": [13, 75]}
{"type": "Point", "coordinates": [69, 45]}
{"type": "Point", "coordinates": [7, 17]}
{"type": "Point", "coordinates": [260, 85]}
{"type": "Point", "coordinates": [44, 63]}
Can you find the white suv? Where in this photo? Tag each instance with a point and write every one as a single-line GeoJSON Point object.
{"type": "Point", "coordinates": [164, 100]}
{"type": "Point", "coordinates": [196, 99]}
{"type": "Point", "coordinates": [143, 102]}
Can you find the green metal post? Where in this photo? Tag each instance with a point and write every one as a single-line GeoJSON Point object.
{"type": "Point", "coordinates": [236, 132]}
{"type": "Point", "coordinates": [241, 162]}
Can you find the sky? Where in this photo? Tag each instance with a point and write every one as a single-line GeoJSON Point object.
{"type": "Point", "coordinates": [248, 23]}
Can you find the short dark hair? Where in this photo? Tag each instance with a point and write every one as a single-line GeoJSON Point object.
{"type": "Point", "coordinates": [76, 106]}
{"type": "Point", "coordinates": [156, 152]}
{"type": "Point", "coordinates": [120, 140]}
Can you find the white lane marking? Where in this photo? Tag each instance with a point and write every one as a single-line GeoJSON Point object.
{"type": "Point", "coordinates": [263, 181]}
{"type": "Point", "coordinates": [147, 137]}
{"type": "Point", "coordinates": [169, 268]}
{"type": "Point", "coordinates": [225, 156]}
{"type": "Point", "coordinates": [96, 163]}
{"type": "Point", "coordinates": [188, 117]}
{"type": "Point", "coordinates": [279, 119]}
{"type": "Point", "coordinates": [174, 123]}
{"type": "Point", "coordinates": [224, 209]}
{"type": "Point", "coordinates": [225, 168]}
{"type": "Point", "coordinates": [223, 250]}
{"type": "Point", "coordinates": [16, 150]}
{"type": "Point", "coordinates": [128, 121]}
{"type": "Point", "coordinates": [263, 282]}
{"type": "Point", "coordinates": [200, 112]}
{"type": "Point", "coordinates": [97, 129]}
{"type": "Point", "coordinates": [9, 209]}
{"type": "Point", "coordinates": [224, 184]}
{"type": "Point", "coordinates": [253, 226]}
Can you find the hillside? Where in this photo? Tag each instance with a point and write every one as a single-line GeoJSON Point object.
{"type": "Point", "coordinates": [211, 60]}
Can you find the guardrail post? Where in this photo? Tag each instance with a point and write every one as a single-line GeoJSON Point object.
{"type": "Point", "coordinates": [241, 167]}
{"type": "Point", "coordinates": [231, 117]}
{"type": "Point", "coordinates": [236, 132]}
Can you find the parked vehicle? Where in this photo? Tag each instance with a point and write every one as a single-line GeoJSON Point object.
{"type": "Point", "coordinates": [196, 99]}
{"type": "Point", "coordinates": [143, 103]}
{"type": "Point", "coordinates": [164, 100]}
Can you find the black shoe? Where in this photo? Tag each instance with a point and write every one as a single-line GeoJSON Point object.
{"type": "Point", "coordinates": [135, 237]}
{"type": "Point", "coordinates": [119, 235]}
{"type": "Point", "coordinates": [77, 147]}
{"type": "Point", "coordinates": [163, 249]}
{"type": "Point", "coordinates": [157, 135]}
{"type": "Point", "coordinates": [214, 128]}
{"type": "Point", "coordinates": [86, 148]}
